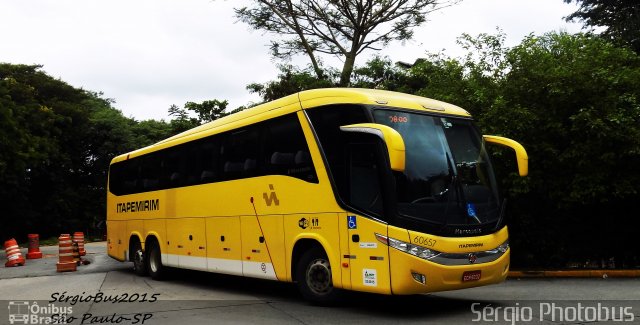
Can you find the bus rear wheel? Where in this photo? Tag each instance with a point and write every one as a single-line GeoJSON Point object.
{"type": "Point", "coordinates": [139, 265]}
{"type": "Point", "coordinates": [156, 270]}
{"type": "Point", "coordinates": [313, 275]}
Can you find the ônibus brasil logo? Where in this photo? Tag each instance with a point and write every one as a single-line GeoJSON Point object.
{"type": "Point", "coordinates": [24, 312]}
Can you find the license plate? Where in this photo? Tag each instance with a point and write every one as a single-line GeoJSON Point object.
{"type": "Point", "coordinates": [471, 276]}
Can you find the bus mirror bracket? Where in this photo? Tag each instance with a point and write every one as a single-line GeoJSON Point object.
{"type": "Point", "coordinates": [521, 154]}
{"type": "Point", "coordinates": [391, 137]}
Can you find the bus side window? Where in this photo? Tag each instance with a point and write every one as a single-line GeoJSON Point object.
{"type": "Point", "coordinates": [124, 177]}
{"type": "Point", "coordinates": [192, 169]}
{"type": "Point", "coordinates": [116, 178]}
{"type": "Point", "coordinates": [364, 176]}
{"type": "Point", "coordinates": [354, 160]}
{"type": "Point", "coordinates": [209, 156]}
{"type": "Point", "coordinates": [240, 152]}
{"type": "Point", "coordinates": [174, 169]}
{"type": "Point", "coordinates": [326, 122]}
{"type": "Point", "coordinates": [131, 180]}
{"type": "Point", "coordinates": [286, 150]}
{"type": "Point", "coordinates": [150, 173]}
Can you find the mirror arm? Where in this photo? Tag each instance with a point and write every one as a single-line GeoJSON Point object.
{"type": "Point", "coordinates": [521, 154]}
{"type": "Point", "coordinates": [391, 137]}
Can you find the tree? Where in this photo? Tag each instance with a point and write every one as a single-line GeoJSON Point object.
{"type": "Point", "coordinates": [56, 143]}
{"type": "Point", "coordinates": [471, 82]}
{"type": "Point", "coordinates": [621, 18]}
{"type": "Point", "coordinates": [344, 28]}
{"type": "Point", "coordinates": [574, 102]}
{"type": "Point", "coordinates": [291, 80]}
{"type": "Point", "coordinates": [207, 111]}
{"type": "Point", "coordinates": [377, 73]}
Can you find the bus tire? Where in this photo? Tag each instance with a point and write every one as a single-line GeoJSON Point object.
{"type": "Point", "coordinates": [138, 258]}
{"type": "Point", "coordinates": [156, 270]}
{"type": "Point", "coordinates": [313, 275]}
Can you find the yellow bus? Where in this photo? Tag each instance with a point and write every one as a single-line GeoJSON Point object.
{"type": "Point", "coordinates": [331, 189]}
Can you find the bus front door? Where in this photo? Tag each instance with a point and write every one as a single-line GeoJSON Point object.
{"type": "Point", "coordinates": [369, 258]}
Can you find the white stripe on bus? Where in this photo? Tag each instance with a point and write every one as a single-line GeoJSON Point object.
{"type": "Point", "coordinates": [221, 265]}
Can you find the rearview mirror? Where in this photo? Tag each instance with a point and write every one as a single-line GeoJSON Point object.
{"type": "Point", "coordinates": [521, 154]}
{"type": "Point", "coordinates": [391, 137]}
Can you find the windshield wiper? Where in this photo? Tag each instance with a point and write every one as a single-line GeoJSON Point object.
{"type": "Point", "coordinates": [502, 208]}
{"type": "Point", "coordinates": [461, 199]}
{"type": "Point", "coordinates": [454, 181]}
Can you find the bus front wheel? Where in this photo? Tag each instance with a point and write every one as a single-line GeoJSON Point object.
{"type": "Point", "coordinates": [313, 275]}
{"type": "Point", "coordinates": [154, 262]}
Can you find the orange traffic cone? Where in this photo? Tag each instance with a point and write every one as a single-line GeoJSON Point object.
{"type": "Point", "coordinates": [34, 247]}
{"type": "Point", "coordinates": [76, 254]}
{"type": "Point", "coordinates": [66, 262]}
{"type": "Point", "coordinates": [78, 237]}
{"type": "Point", "coordinates": [14, 257]}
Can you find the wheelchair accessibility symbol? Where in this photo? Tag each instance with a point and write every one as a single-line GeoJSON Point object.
{"type": "Point", "coordinates": [351, 222]}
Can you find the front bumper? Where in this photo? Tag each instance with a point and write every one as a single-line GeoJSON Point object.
{"type": "Point", "coordinates": [441, 277]}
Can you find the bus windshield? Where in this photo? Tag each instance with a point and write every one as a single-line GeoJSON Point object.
{"type": "Point", "coordinates": [448, 179]}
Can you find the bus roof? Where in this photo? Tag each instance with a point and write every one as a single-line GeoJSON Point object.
{"type": "Point", "coordinates": [305, 100]}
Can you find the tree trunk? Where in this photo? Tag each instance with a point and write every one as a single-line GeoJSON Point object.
{"type": "Point", "coordinates": [314, 62]}
{"type": "Point", "coordinates": [347, 69]}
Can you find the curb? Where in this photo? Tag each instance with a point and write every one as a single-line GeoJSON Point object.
{"type": "Point", "coordinates": [576, 274]}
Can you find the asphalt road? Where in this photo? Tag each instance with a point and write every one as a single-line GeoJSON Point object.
{"type": "Point", "coordinates": [36, 294]}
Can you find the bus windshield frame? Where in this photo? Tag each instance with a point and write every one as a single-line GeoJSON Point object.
{"type": "Point", "coordinates": [448, 186]}
{"type": "Point", "coordinates": [467, 202]}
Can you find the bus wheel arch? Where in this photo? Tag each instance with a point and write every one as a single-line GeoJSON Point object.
{"type": "Point", "coordinates": [136, 255]}
{"type": "Point", "coordinates": [311, 271]}
{"type": "Point", "coordinates": [153, 262]}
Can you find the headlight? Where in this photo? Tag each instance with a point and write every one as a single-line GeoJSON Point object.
{"type": "Point", "coordinates": [414, 250]}
{"type": "Point", "coordinates": [500, 249]}
{"type": "Point", "coordinates": [503, 248]}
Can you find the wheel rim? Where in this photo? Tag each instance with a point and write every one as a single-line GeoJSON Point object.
{"type": "Point", "coordinates": [153, 259]}
{"type": "Point", "coordinates": [319, 277]}
{"type": "Point", "coordinates": [138, 260]}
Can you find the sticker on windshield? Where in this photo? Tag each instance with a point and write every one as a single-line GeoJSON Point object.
{"type": "Point", "coordinates": [471, 211]}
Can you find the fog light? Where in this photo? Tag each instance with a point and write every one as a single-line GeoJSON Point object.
{"type": "Point", "coordinates": [419, 277]}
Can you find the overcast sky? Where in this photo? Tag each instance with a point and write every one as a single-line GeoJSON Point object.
{"type": "Point", "coordinates": [149, 54]}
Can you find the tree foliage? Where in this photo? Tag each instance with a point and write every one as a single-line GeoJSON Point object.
{"type": "Point", "coordinates": [56, 142]}
{"type": "Point", "coordinates": [621, 18]}
{"type": "Point", "coordinates": [292, 80]}
{"type": "Point", "coordinates": [574, 100]}
{"type": "Point", "coordinates": [336, 27]}
{"type": "Point", "coordinates": [207, 111]}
